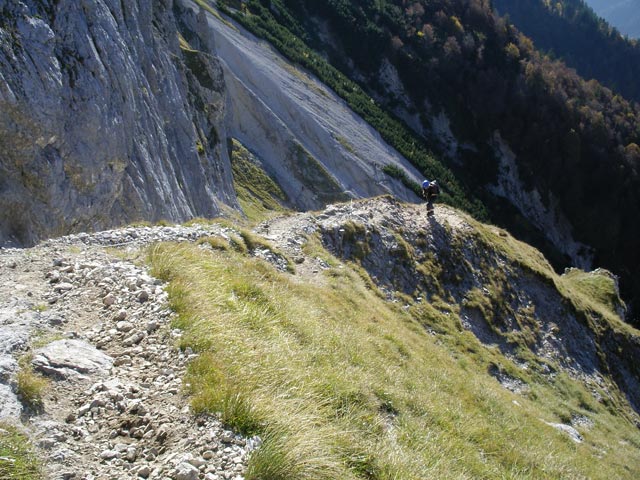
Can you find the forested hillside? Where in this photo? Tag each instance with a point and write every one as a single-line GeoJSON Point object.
{"type": "Point", "coordinates": [571, 31]}
{"type": "Point", "coordinates": [576, 142]}
{"type": "Point", "coordinates": [623, 14]}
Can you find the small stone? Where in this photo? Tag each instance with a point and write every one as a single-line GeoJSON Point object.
{"type": "Point", "coordinates": [97, 403]}
{"type": "Point", "coordinates": [109, 455]}
{"type": "Point", "coordinates": [186, 471]}
{"type": "Point", "coordinates": [123, 360]}
{"type": "Point", "coordinates": [13, 265]}
{"type": "Point", "coordinates": [143, 296]}
{"type": "Point", "coordinates": [83, 410]}
{"type": "Point", "coordinates": [144, 471]}
{"type": "Point", "coordinates": [569, 430]}
{"type": "Point", "coordinates": [63, 287]}
{"type": "Point", "coordinates": [109, 300]}
{"type": "Point", "coordinates": [46, 443]}
{"type": "Point", "coordinates": [133, 339]}
{"type": "Point", "coordinates": [124, 326]}
{"type": "Point", "coordinates": [54, 276]}
{"type": "Point", "coordinates": [131, 455]}
{"type": "Point", "coordinates": [197, 462]}
{"type": "Point", "coordinates": [120, 316]}
{"type": "Point", "coordinates": [152, 326]}
{"type": "Point", "coordinates": [55, 320]}
{"type": "Point", "coordinates": [208, 455]}
{"type": "Point", "coordinates": [163, 433]}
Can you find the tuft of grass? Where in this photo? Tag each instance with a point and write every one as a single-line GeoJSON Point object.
{"type": "Point", "coordinates": [341, 384]}
{"type": "Point", "coordinates": [238, 244]}
{"type": "Point", "coordinates": [217, 243]}
{"type": "Point", "coordinates": [214, 391]}
{"type": "Point", "coordinates": [17, 459]}
{"type": "Point", "coordinates": [356, 235]}
{"type": "Point", "coordinates": [30, 388]}
{"type": "Point", "coordinates": [253, 241]}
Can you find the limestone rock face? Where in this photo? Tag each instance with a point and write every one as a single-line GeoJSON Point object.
{"type": "Point", "coordinates": [106, 117]}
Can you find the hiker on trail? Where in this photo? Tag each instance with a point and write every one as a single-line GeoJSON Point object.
{"type": "Point", "coordinates": [430, 191]}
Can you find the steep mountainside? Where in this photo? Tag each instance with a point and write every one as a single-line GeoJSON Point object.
{"type": "Point", "coordinates": [105, 119]}
{"type": "Point", "coordinates": [302, 132]}
{"type": "Point", "coordinates": [514, 124]}
{"type": "Point", "coordinates": [570, 30]}
{"type": "Point", "coordinates": [622, 14]}
{"type": "Point", "coordinates": [116, 112]}
{"type": "Point", "coordinates": [395, 345]}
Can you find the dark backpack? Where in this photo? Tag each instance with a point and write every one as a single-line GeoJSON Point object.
{"type": "Point", "coordinates": [433, 190]}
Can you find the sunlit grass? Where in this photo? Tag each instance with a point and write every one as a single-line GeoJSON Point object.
{"type": "Point", "coordinates": [30, 386]}
{"type": "Point", "coordinates": [258, 194]}
{"type": "Point", "coordinates": [341, 384]}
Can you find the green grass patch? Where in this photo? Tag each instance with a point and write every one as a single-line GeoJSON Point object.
{"type": "Point", "coordinates": [596, 288]}
{"type": "Point", "coordinates": [341, 384]}
{"type": "Point", "coordinates": [216, 243]}
{"type": "Point", "coordinates": [30, 388]}
{"type": "Point", "coordinates": [259, 195]}
{"type": "Point", "coordinates": [17, 459]}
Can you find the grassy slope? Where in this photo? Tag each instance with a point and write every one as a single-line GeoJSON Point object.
{"type": "Point", "coordinates": [258, 195]}
{"type": "Point", "coordinates": [342, 384]}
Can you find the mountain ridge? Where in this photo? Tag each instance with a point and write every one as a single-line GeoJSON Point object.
{"type": "Point", "coordinates": [623, 14]}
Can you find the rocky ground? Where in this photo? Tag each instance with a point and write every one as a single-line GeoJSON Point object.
{"type": "Point", "coordinates": [98, 327]}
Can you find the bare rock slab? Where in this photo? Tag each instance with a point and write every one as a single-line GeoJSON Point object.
{"type": "Point", "coordinates": [12, 337]}
{"type": "Point", "coordinates": [71, 358]}
{"type": "Point", "coordinates": [10, 407]}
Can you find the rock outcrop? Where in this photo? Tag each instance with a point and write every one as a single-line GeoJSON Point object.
{"type": "Point", "coordinates": [106, 117]}
{"type": "Point", "coordinates": [503, 291]}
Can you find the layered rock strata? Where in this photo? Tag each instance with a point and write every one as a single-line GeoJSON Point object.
{"type": "Point", "coordinates": [106, 117]}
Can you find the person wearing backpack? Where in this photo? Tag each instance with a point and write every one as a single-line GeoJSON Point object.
{"type": "Point", "coordinates": [430, 191]}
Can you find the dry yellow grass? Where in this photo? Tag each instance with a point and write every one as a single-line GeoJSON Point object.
{"type": "Point", "coordinates": [341, 384]}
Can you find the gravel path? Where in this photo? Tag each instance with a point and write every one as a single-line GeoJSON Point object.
{"type": "Point", "coordinates": [115, 407]}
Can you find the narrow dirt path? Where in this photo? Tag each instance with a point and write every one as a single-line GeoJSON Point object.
{"type": "Point", "coordinates": [98, 326]}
